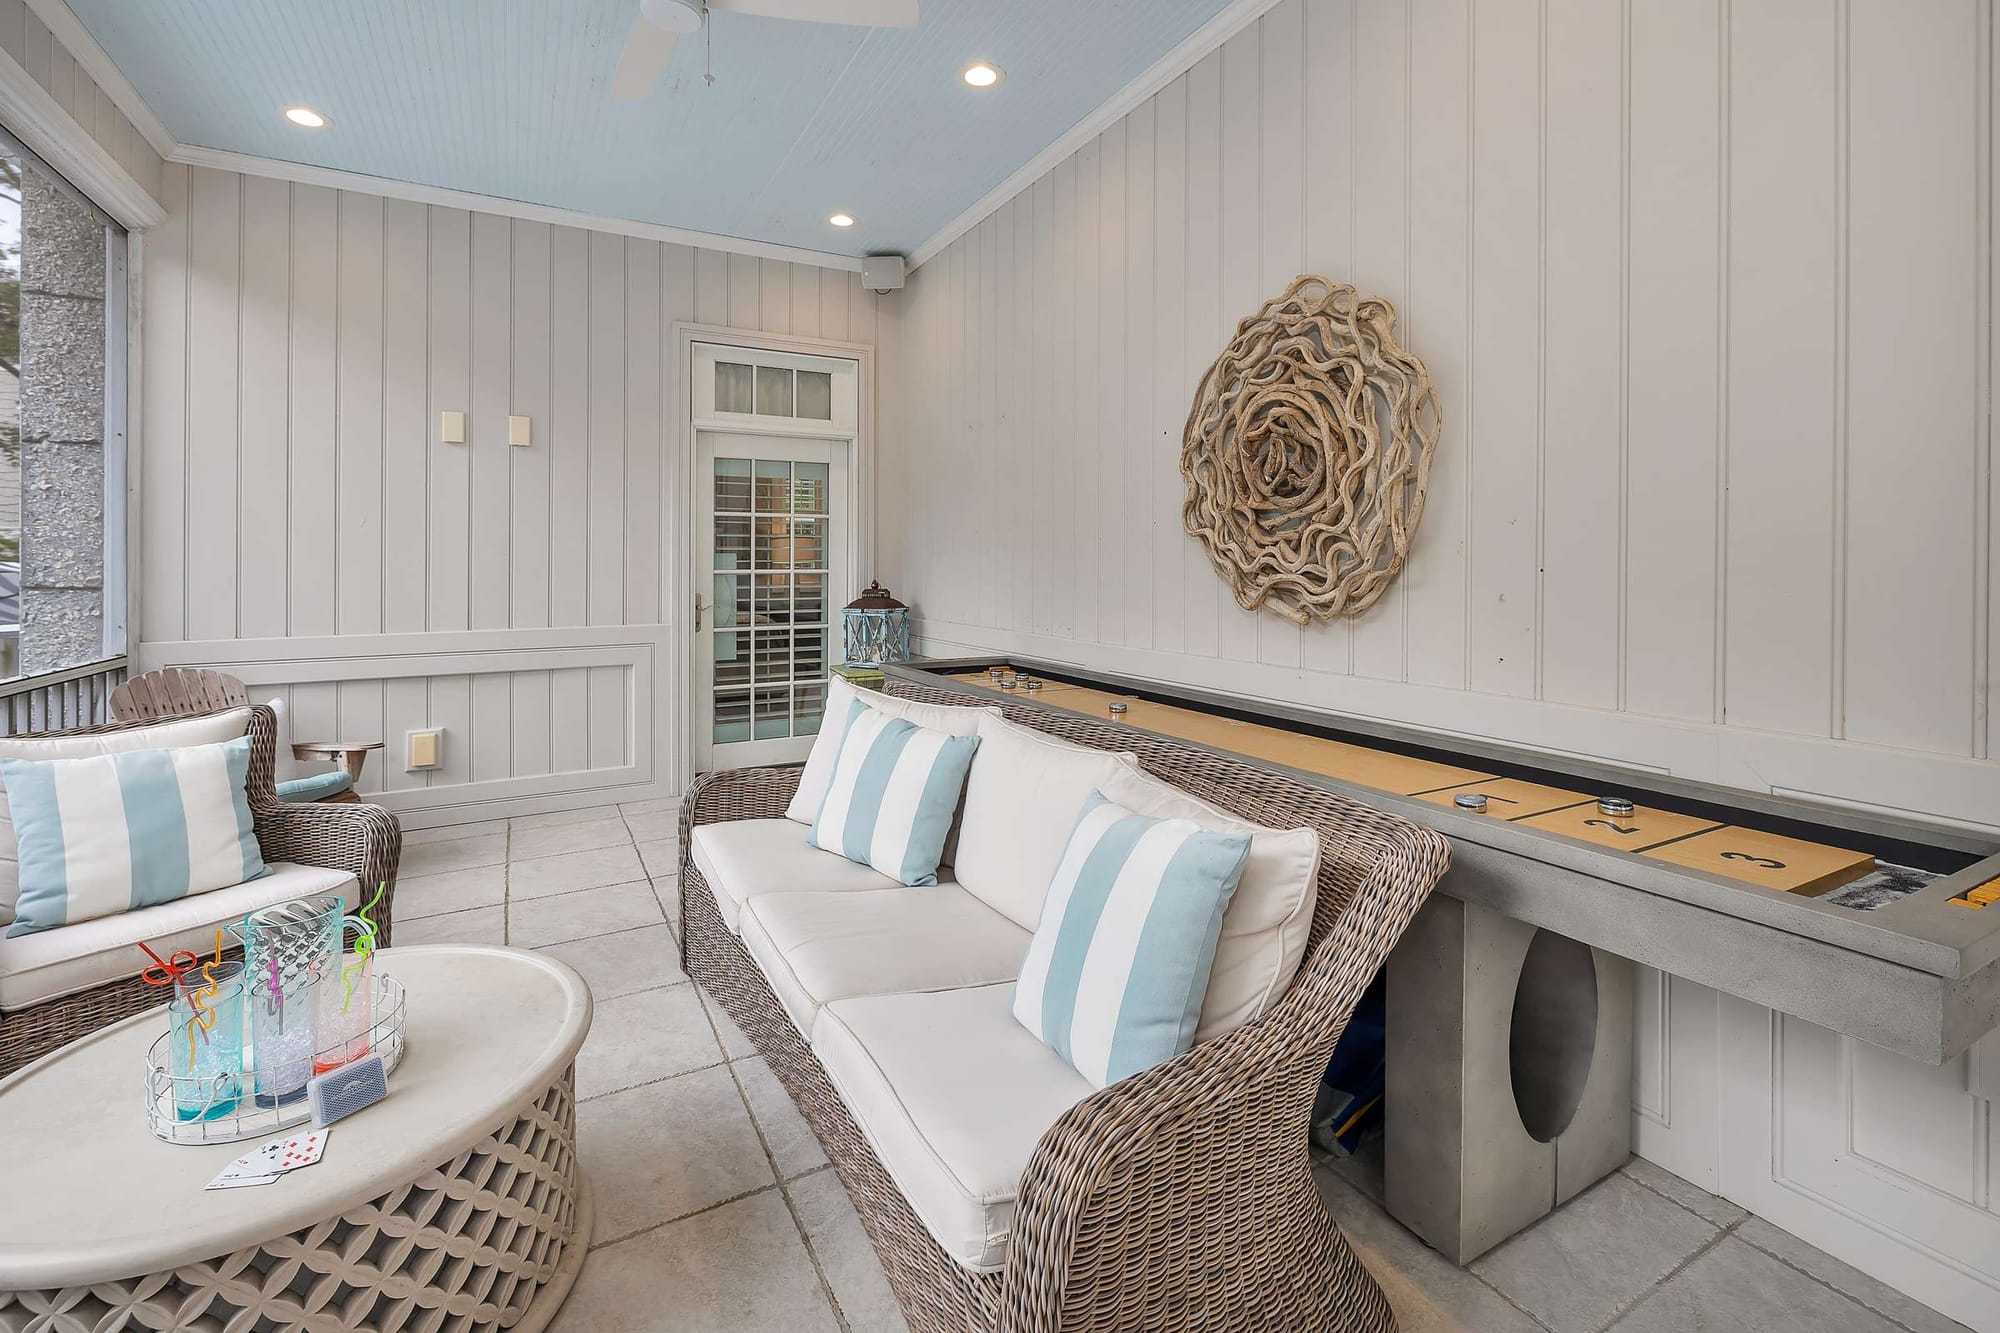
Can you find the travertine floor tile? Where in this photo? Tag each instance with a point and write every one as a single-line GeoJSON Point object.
{"type": "Point", "coordinates": [624, 963]}
{"type": "Point", "coordinates": [740, 1268]}
{"type": "Point", "coordinates": [481, 925]}
{"type": "Point", "coordinates": [578, 916]}
{"type": "Point", "coordinates": [793, 1145]}
{"type": "Point", "coordinates": [834, 1231]}
{"type": "Point", "coordinates": [435, 858]}
{"type": "Point", "coordinates": [662, 1151]}
{"type": "Point", "coordinates": [639, 1038]}
{"type": "Point", "coordinates": [570, 871]}
{"type": "Point", "coordinates": [453, 891]}
{"type": "Point", "coordinates": [556, 839]}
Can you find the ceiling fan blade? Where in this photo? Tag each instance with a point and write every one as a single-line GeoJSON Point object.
{"type": "Point", "coordinates": [858, 13]}
{"type": "Point", "coordinates": [643, 60]}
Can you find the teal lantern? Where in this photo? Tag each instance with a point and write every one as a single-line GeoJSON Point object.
{"type": "Point", "coordinates": [875, 628]}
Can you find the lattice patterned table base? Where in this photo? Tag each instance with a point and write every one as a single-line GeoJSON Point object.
{"type": "Point", "coordinates": [489, 1240]}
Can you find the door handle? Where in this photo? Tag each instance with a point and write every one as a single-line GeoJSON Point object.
{"type": "Point", "coordinates": [697, 613]}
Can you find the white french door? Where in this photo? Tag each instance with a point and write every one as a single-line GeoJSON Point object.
{"type": "Point", "coordinates": [771, 578]}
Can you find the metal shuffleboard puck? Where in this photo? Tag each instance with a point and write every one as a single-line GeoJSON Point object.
{"type": "Point", "coordinates": [1471, 800]}
{"type": "Point", "coordinates": [1614, 805]}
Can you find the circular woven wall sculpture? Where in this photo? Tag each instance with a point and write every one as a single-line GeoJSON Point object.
{"type": "Point", "coordinates": [1307, 453]}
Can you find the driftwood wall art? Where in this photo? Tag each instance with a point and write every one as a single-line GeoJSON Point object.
{"type": "Point", "coordinates": [1307, 452]}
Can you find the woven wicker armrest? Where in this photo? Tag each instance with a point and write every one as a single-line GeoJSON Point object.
{"type": "Point", "coordinates": [736, 793]}
{"type": "Point", "coordinates": [363, 840]}
{"type": "Point", "coordinates": [1181, 1179]}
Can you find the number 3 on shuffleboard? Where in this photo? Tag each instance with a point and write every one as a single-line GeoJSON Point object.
{"type": "Point", "coordinates": [1763, 861]}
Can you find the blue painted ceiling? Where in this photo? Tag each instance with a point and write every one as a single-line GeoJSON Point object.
{"type": "Point", "coordinates": [512, 98]}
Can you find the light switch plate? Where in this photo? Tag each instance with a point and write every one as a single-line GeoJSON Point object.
{"type": "Point", "coordinates": [451, 427]}
{"type": "Point", "coordinates": [424, 749]}
{"type": "Point", "coordinates": [517, 432]}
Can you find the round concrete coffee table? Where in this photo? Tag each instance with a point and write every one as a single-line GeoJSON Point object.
{"type": "Point", "coordinates": [455, 1202]}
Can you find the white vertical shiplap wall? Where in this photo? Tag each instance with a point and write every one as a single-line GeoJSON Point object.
{"type": "Point", "coordinates": [300, 343]}
{"type": "Point", "coordinates": [1705, 287]}
{"type": "Point", "coordinates": [27, 39]}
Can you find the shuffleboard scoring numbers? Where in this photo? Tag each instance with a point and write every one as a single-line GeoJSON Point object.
{"type": "Point", "coordinates": [1767, 862]}
{"type": "Point", "coordinates": [1606, 823]}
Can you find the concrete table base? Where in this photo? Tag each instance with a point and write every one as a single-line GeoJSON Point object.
{"type": "Point", "coordinates": [492, 1238]}
{"type": "Point", "coordinates": [1509, 1082]}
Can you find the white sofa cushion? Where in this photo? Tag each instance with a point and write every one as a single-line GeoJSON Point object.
{"type": "Point", "coordinates": [815, 948]}
{"type": "Point", "coordinates": [205, 730]}
{"type": "Point", "coordinates": [53, 963]}
{"type": "Point", "coordinates": [742, 858]}
{"type": "Point", "coordinates": [1265, 926]}
{"type": "Point", "coordinates": [953, 1095]}
{"type": "Point", "coordinates": [1022, 798]}
{"type": "Point", "coordinates": [840, 696]}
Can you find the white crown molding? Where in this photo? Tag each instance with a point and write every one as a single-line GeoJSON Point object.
{"type": "Point", "coordinates": [302, 173]}
{"type": "Point", "coordinates": [1239, 15]}
{"type": "Point", "coordinates": [41, 123]}
{"type": "Point", "coordinates": [68, 30]}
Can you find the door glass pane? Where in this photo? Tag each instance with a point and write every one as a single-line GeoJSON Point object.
{"type": "Point", "coordinates": [774, 487]}
{"type": "Point", "coordinates": [774, 647]}
{"type": "Point", "coordinates": [808, 543]}
{"type": "Point", "coordinates": [774, 391]}
{"type": "Point", "coordinates": [808, 653]}
{"type": "Point", "coordinates": [774, 714]}
{"type": "Point", "coordinates": [732, 591]}
{"type": "Point", "coordinates": [732, 387]}
{"type": "Point", "coordinates": [774, 543]}
{"type": "Point", "coordinates": [732, 658]}
{"type": "Point", "coordinates": [808, 599]}
{"type": "Point", "coordinates": [732, 485]}
{"type": "Point", "coordinates": [809, 491]}
{"type": "Point", "coordinates": [816, 395]}
{"type": "Point", "coordinates": [732, 717]}
{"type": "Point", "coordinates": [732, 543]}
{"type": "Point", "coordinates": [808, 707]}
{"type": "Point", "coordinates": [774, 599]}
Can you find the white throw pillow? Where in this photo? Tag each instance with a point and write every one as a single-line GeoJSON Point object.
{"type": "Point", "coordinates": [957, 721]}
{"type": "Point", "coordinates": [1264, 931]}
{"type": "Point", "coordinates": [208, 729]}
{"type": "Point", "coordinates": [1021, 800]}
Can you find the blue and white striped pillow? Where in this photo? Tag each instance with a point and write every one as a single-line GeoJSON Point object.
{"type": "Point", "coordinates": [1115, 975]}
{"type": "Point", "coordinates": [895, 788]}
{"type": "Point", "coordinates": [109, 833]}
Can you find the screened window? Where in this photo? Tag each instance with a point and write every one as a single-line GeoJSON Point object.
{"type": "Point", "coordinates": [62, 457]}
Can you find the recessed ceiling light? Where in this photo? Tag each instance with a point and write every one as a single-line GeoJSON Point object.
{"type": "Point", "coordinates": [841, 220]}
{"type": "Point", "coordinates": [983, 75]}
{"type": "Point", "coordinates": [306, 117]}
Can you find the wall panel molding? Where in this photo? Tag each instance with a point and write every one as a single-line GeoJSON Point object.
{"type": "Point", "coordinates": [330, 682]}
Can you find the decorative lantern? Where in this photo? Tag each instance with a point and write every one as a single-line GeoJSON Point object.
{"type": "Point", "coordinates": [875, 628]}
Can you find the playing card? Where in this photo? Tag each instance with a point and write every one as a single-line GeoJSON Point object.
{"type": "Point", "coordinates": [262, 1165]}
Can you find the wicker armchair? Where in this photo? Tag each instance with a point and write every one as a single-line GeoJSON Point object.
{"type": "Point", "coordinates": [1182, 1198]}
{"type": "Point", "coordinates": [363, 840]}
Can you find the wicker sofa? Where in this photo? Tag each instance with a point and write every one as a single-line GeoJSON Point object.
{"type": "Point", "coordinates": [313, 846]}
{"type": "Point", "coordinates": [1178, 1199]}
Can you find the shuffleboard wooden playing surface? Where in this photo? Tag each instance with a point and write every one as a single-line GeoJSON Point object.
{"type": "Point", "coordinates": [1750, 855]}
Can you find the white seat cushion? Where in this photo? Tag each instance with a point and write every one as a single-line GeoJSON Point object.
{"type": "Point", "coordinates": [953, 1095]}
{"type": "Point", "coordinates": [742, 858]}
{"type": "Point", "coordinates": [1022, 798]}
{"type": "Point", "coordinates": [1265, 926]}
{"type": "Point", "coordinates": [815, 948]}
{"type": "Point", "coordinates": [53, 963]}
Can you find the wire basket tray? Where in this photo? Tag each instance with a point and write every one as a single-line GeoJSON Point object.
{"type": "Point", "coordinates": [201, 1109]}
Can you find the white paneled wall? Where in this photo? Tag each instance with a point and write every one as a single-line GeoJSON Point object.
{"type": "Point", "coordinates": [27, 39]}
{"type": "Point", "coordinates": [300, 344]}
{"type": "Point", "coordinates": [1705, 287]}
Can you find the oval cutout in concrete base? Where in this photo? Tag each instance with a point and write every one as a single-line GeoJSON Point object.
{"type": "Point", "coordinates": [1553, 1037]}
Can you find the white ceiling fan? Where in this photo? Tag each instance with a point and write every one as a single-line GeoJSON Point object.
{"type": "Point", "coordinates": [661, 23]}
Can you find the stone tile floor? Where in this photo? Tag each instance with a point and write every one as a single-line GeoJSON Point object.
{"type": "Point", "coordinates": [717, 1210]}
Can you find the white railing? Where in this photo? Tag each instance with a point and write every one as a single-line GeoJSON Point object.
{"type": "Point", "coordinates": [78, 696]}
